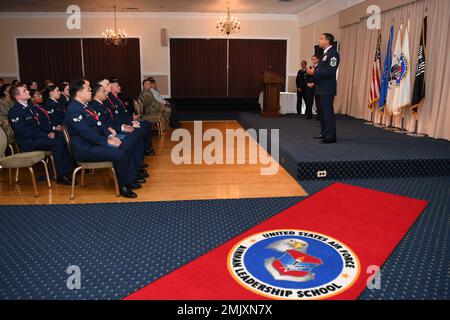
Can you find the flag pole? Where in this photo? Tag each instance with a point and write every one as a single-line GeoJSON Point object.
{"type": "Point", "coordinates": [402, 128]}
{"type": "Point", "coordinates": [380, 125]}
{"type": "Point", "coordinates": [371, 122]}
{"type": "Point", "coordinates": [415, 134]}
{"type": "Point", "coordinates": [390, 127]}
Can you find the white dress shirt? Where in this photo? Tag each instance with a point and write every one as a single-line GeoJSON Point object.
{"type": "Point", "coordinates": [158, 96]}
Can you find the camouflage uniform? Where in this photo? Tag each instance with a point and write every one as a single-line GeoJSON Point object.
{"type": "Point", "coordinates": [151, 106]}
{"type": "Point", "coordinates": [5, 105]}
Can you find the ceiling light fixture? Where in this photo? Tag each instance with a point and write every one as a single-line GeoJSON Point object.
{"type": "Point", "coordinates": [116, 37]}
{"type": "Point", "coordinates": [228, 24]}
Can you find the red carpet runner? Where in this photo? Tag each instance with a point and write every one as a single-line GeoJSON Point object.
{"type": "Point", "coordinates": [325, 247]}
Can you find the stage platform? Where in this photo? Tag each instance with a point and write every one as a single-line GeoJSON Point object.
{"type": "Point", "coordinates": [214, 108]}
{"type": "Point", "coordinates": [362, 151]}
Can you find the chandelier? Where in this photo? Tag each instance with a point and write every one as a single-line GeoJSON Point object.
{"type": "Point", "coordinates": [116, 37]}
{"type": "Point", "coordinates": [228, 24]}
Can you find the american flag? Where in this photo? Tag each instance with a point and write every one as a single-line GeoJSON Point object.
{"type": "Point", "coordinates": [375, 81]}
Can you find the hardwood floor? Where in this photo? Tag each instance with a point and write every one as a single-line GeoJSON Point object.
{"type": "Point", "coordinates": [167, 181]}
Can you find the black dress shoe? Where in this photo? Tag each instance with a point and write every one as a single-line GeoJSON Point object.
{"type": "Point", "coordinates": [144, 166]}
{"type": "Point", "coordinates": [127, 193]}
{"type": "Point", "coordinates": [142, 170]}
{"type": "Point", "coordinates": [134, 186]}
{"type": "Point", "coordinates": [149, 152]}
{"type": "Point", "coordinates": [64, 180]}
{"type": "Point", "coordinates": [142, 175]}
{"type": "Point", "coordinates": [327, 141]}
{"type": "Point", "coordinates": [319, 137]}
{"type": "Point", "coordinates": [139, 180]}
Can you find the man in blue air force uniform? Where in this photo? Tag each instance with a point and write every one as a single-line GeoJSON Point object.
{"type": "Point", "coordinates": [130, 143]}
{"type": "Point", "coordinates": [30, 136]}
{"type": "Point", "coordinates": [325, 87]}
{"type": "Point", "coordinates": [92, 142]}
{"type": "Point", "coordinates": [302, 87]}
{"type": "Point", "coordinates": [123, 115]}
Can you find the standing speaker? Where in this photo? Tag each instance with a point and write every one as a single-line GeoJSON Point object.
{"type": "Point", "coordinates": [164, 37]}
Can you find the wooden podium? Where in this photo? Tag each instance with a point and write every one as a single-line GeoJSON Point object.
{"type": "Point", "coordinates": [272, 83]}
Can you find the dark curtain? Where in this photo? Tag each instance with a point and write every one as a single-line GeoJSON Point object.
{"type": "Point", "coordinates": [248, 58]}
{"type": "Point", "coordinates": [122, 62]}
{"type": "Point", "coordinates": [198, 68]}
{"type": "Point", "coordinates": [52, 59]}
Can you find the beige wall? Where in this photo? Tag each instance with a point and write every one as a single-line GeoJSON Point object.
{"type": "Point", "coordinates": [356, 13]}
{"type": "Point", "coordinates": [146, 26]}
{"type": "Point", "coordinates": [309, 35]}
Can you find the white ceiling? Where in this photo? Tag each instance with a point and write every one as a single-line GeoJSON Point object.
{"type": "Point", "coordinates": [237, 6]}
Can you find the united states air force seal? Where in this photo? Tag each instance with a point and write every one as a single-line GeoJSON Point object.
{"type": "Point", "coordinates": [293, 264]}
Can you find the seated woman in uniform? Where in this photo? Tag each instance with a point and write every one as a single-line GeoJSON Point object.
{"type": "Point", "coordinates": [51, 96]}
{"type": "Point", "coordinates": [44, 118]}
{"type": "Point", "coordinates": [32, 85]}
{"type": "Point", "coordinates": [64, 100]}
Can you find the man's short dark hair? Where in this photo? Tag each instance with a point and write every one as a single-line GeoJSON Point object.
{"type": "Point", "coordinates": [95, 87]}
{"type": "Point", "coordinates": [144, 81]}
{"type": "Point", "coordinates": [75, 87]}
{"type": "Point", "coordinates": [330, 38]}
{"type": "Point", "coordinates": [315, 56]}
{"type": "Point", "coordinates": [14, 90]}
{"type": "Point", "coordinates": [304, 61]}
{"type": "Point", "coordinates": [114, 80]}
{"type": "Point", "coordinates": [63, 84]}
{"type": "Point", "coordinates": [98, 80]}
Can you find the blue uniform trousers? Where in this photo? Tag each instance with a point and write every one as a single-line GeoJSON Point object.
{"type": "Point", "coordinates": [327, 117]}
{"type": "Point", "coordinates": [63, 160]}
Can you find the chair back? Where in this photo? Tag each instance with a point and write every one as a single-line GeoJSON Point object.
{"type": "Point", "coordinates": [138, 106]}
{"type": "Point", "coordinates": [3, 143]}
{"type": "Point", "coordinates": [67, 138]}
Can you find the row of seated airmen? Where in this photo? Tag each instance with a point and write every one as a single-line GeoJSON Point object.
{"type": "Point", "coordinates": [100, 125]}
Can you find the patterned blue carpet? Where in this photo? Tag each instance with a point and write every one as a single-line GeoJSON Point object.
{"type": "Point", "coordinates": [122, 247]}
{"type": "Point", "coordinates": [362, 151]}
{"type": "Point", "coordinates": [118, 247]}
